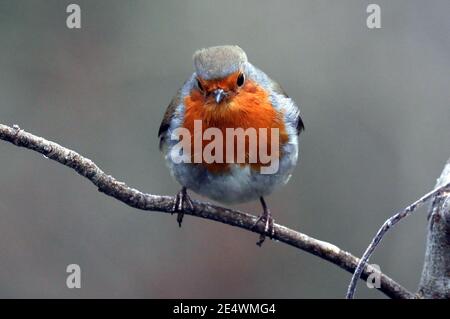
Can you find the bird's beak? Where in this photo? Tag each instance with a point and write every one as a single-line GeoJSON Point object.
{"type": "Point", "coordinates": [219, 94]}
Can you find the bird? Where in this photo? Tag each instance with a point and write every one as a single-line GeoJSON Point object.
{"type": "Point", "coordinates": [226, 91]}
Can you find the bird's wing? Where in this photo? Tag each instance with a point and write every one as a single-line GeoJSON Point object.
{"type": "Point", "coordinates": [298, 119]}
{"type": "Point", "coordinates": [165, 123]}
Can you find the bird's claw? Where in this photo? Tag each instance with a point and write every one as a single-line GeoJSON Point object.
{"type": "Point", "coordinates": [269, 230]}
{"type": "Point", "coordinates": [182, 200]}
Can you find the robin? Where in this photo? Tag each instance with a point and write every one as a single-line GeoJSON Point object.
{"type": "Point", "coordinates": [227, 92]}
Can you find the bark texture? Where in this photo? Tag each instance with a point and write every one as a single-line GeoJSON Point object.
{"type": "Point", "coordinates": [435, 281]}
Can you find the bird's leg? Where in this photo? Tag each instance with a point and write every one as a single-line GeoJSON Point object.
{"type": "Point", "coordinates": [265, 217]}
{"type": "Point", "coordinates": [181, 200]}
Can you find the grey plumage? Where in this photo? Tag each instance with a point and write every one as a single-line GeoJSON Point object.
{"type": "Point", "coordinates": [218, 62]}
{"type": "Point", "coordinates": [240, 183]}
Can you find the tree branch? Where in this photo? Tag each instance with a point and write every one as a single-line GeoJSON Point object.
{"type": "Point", "coordinates": [388, 224]}
{"type": "Point", "coordinates": [435, 281]}
{"type": "Point", "coordinates": [134, 198]}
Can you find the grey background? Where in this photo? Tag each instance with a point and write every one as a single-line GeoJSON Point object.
{"type": "Point", "coordinates": [375, 105]}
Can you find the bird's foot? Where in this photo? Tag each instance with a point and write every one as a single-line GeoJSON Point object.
{"type": "Point", "coordinates": [266, 218]}
{"type": "Point", "coordinates": [182, 200]}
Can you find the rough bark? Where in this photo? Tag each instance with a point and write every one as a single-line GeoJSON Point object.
{"type": "Point", "coordinates": [435, 281]}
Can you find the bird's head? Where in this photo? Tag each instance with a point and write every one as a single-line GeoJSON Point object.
{"type": "Point", "coordinates": [219, 72]}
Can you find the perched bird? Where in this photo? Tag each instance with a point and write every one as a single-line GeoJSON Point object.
{"type": "Point", "coordinates": [227, 91]}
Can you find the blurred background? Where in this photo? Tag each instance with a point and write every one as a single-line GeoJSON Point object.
{"type": "Point", "coordinates": [376, 105]}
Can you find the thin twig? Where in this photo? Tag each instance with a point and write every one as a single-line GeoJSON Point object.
{"type": "Point", "coordinates": [389, 223]}
{"type": "Point", "coordinates": [134, 198]}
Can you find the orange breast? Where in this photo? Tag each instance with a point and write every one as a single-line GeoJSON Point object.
{"type": "Point", "coordinates": [248, 108]}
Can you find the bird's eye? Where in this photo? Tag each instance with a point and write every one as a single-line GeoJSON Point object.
{"type": "Point", "coordinates": [199, 85]}
{"type": "Point", "coordinates": [240, 79]}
